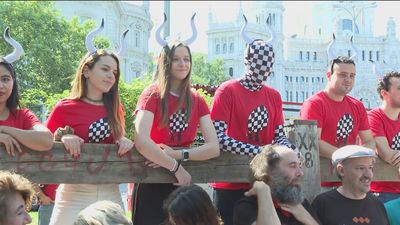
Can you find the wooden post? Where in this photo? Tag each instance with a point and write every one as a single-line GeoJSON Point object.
{"type": "Point", "coordinates": [304, 135]}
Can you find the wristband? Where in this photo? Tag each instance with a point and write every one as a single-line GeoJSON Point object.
{"type": "Point", "coordinates": [176, 170]}
{"type": "Point", "coordinates": [175, 165]}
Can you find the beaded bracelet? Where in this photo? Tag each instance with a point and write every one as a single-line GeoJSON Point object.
{"type": "Point", "coordinates": [175, 166]}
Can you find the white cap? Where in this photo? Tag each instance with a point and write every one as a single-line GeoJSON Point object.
{"type": "Point", "coordinates": [351, 151]}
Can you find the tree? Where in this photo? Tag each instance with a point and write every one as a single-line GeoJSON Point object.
{"type": "Point", "coordinates": [209, 73]}
{"type": "Point", "coordinates": [53, 48]}
{"type": "Point", "coordinates": [129, 94]}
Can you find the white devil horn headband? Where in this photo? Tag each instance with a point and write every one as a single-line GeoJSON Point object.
{"type": "Point", "coordinates": [18, 50]}
{"type": "Point", "coordinates": [332, 55]}
{"type": "Point", "coordinates": [249, 40]}
{"type": "Point", "coordinates": [355, 49]}
{"type": "Point", "coordinates": [92, 49]}
{"type": "Point", "coordinates": [188, 41]}
{"type": "Point", "coordinates": [329, 49]}
{"type": "Point", "coordinates": [122, 45]}
{"type": "Point", "coordinates": [89, 38]}
{"type": "Point", "coordinates": [376, 71]}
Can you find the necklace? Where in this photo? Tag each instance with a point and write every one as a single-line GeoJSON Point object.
{"type": "Point", "coordinates": [94, 100]}
{"type": "Point", "coordinates": [173, 93]}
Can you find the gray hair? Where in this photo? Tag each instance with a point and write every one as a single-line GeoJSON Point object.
{"type": "Point", "coordinates": [102, 213]}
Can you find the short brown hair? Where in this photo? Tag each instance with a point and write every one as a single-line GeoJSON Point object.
{"type": "Point", "coordinates": [384, 83]}
{"type": "Point", "coordinates": [11, 183]}
{"type": "Point", "coordinates": [339, 60]}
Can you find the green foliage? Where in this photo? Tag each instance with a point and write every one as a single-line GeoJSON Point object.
{"type": "Point", "coordinates": [129, 94]}
{"type": "Point", "coordinates": [53, 49]}
{"type": "Point", "coordinates": [52, 100]}
{"type": "Point", "coordinates": [207, 97]}
{"type": "Point", "coordinates": [210, 73]}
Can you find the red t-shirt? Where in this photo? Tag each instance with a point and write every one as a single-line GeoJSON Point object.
{"type": "Point", "coordinates": [50, 190]}
{"type": "Point", "coordinates": [88, 121]}
{"type": "Point", "coordinates": [239, 107]}
{"type": "Point", "coordinates": [340, 121]}
{"type": "Point", "coordinates": [23, 119]}
{"type": "Point", "coordinates": [178, 132]}
{"type": "Point", "coordinates": [383, 126]}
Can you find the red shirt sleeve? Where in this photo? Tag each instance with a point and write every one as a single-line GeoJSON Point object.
{"type": "Point", "coordinates": [148, 100]}
{"type": "Point", "coordinates": [29, 119]}
{"type": "Point", "coordinates": [202, 105]}
{"type": "Point", "coordinates": [279, 113]}
{"type": "Point", "coordinates": [55, 118]}
{"type": "Point", "coordinates": [364, 125]}
{"type": "Point", "coordinates": [221, 104]}
{"type": "Point", "coordinates": [376, 124]}
{"type": "Point", "coordinates": [312, 110]}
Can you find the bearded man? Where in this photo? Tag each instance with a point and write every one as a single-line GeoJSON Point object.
{"type": "Point", "coordinates": [276, 178]}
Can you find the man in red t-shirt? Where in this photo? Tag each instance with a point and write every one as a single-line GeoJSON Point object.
{"type": "Point", "coordinates": [385, 127]}
{"type": "Point", "coordinates": [341, 118]}
{"type": "Point", "coordinates": [247, 115]}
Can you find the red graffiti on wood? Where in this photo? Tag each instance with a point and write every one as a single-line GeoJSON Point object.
{"type": "Point", "coordinates": [134, 171]}
{"type": "Point", "coordinates": [46, 165]}
{"type": "Point", "coordinates": [72, 165]}
{"type": "Point", "coordinates": [95, 168]}
{"type": "Point", "coordinates": [27, 162]}
{"type": "Point", "coordinates": [23, 167]}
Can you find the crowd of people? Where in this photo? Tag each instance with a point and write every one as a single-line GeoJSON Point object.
{"type": "Point", "coordinates": [167, 117]}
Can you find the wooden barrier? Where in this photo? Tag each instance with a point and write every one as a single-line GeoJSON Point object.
{"type": "Point", "coordinates": [99, 163]}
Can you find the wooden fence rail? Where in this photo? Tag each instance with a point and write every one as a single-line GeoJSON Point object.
{"type": "Point", "coordinates": [99, 163]}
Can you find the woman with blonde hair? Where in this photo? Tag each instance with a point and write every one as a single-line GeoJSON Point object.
{"type": "Point", "coordinates": [168, 115]}
{"type": "Point", "coordinates": [16, 193]}
{"type": "Point", "coordinates": [92, 114]}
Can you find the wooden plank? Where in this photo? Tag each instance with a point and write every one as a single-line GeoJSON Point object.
{"type": "Point", "coordinates": [99, 163]}
{"type": "Point", "coordinates": [382, 171]}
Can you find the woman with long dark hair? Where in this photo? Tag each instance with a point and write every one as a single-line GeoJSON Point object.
{"type": "Point", "coordinates": [168, 115]}
{"type": "Point", "coordinates": [190, 205]}
{"type": "Point", "coordinates": [18, 125]}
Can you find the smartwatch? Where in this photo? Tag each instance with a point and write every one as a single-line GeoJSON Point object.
{"type": "Point", "coordinates": [185, 155]}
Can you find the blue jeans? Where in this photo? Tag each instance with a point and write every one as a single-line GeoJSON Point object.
{"type": "Point", "coordinates": [45, 214]}
{"type": "Point", "coordinates": [224, 201]}
{"type": "Point", "coordinates": [385, 196]}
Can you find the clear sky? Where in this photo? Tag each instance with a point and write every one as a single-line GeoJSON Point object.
{"type": "Point", "coordinates": [296, 15]}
